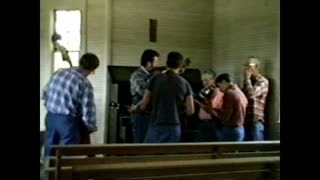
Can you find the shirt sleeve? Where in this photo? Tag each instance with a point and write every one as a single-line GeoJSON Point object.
{"type": "Point", "coordinates": [255, 90]}
{"type": "Point", "coordinates": [139, 83]}
{"type": "Point", "coordinates": [89, 109]}
{"type": "Point", "coordinates": [189, 91]}
{"type": "Point", "coordinates": [150, 84]}
{"type": "Point", "coordinates": [227, 107]}
{"type": "Point", "coordinates": [44, 95]}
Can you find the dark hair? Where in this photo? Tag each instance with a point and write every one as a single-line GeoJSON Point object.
{"type": "Point", "coordinates": [147, 56]}
{"type": "Point", "coordinates": [174, 60]}
{"type": "Point", "coordinates": [89, 61]}
{"type": "Point", "coordinates": [224, 77]}
{"type": "Point", "coordinates": [210, 72]}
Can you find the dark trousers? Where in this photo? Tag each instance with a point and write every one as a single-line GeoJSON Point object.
{"type": "Point", "coordinates": [163, 134]}
{"type": "Point", "coordinates": [61, 129]}
{"type": "Point", "coordinates": [208, 132]}
{"type": "Point", "coordinates": [140, 125]}
{"type": "Point", "coordinates": [232, 133]}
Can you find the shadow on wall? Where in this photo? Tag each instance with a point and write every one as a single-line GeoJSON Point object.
{"type": "Point", "coordinates": [272, 102]}
{"type": "Point", "coordinates": [271, 113]}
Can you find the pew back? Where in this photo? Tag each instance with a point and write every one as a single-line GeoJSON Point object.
{"type": "Point", "coordinates": [155, 153]}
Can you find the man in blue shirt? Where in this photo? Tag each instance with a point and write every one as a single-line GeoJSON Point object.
{"type": "Point", "coordinates": [70, 104]}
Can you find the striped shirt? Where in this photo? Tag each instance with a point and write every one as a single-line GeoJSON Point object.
{"type": "Point", "coordinates": [256, 91]}
{"type": "Point", "coordinates": [69, 92]}
{"type": "Point", "coordinates": [139, 81]}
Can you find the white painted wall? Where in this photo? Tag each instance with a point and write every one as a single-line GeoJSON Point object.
{"type": "Point", "coordinates": [183, 25]}
{"type": "Point", "coordinates": [213, 33]}
{"type": "Point", "coordinates": [242, 28]}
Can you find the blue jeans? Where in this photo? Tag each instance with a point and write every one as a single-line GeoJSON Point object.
{"type": "Point", "coordinates": [232, 133]}
{"type": "Point", "coordinates": [140, 124]}
{"type": "Point", "coordinates": [255, 131]}
{"type": "Point", "coordinates": [61, 129]}
{"type": "Point", "coordinates": [163, 134]}
{"type": "Point", "coordinates": [208, 132]}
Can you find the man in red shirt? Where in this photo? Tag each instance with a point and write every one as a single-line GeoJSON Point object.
{"type": "Point", "coordinates": [233, 109]}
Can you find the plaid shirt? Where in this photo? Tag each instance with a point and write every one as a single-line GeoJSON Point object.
{"type": "Point", "coordinates": [139, 81]}
{"type": "Point", "coordinates": [69, 92]}
{"type": "Point", "coordinates": [256, 91]}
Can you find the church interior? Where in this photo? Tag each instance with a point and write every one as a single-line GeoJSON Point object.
{"type": "Point", "coordinates": [210, 34]}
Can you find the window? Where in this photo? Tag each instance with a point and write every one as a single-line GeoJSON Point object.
{"type": "Point", "coordinates": [67, 23]}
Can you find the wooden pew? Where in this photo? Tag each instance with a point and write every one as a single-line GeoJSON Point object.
{"type": "Point", "coordinates": [236, 168]}
{"type": "Point", "coordinates": [122, 154]}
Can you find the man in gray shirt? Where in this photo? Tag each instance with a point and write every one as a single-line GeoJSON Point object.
{"type": "Point", "coordinates": [170, 96]}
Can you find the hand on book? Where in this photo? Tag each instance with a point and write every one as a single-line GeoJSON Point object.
{"type": "Point", "coordinates": [205, 107]}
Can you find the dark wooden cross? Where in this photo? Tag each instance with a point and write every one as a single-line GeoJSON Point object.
{"type": "Point", "coordinates": [153, 30]}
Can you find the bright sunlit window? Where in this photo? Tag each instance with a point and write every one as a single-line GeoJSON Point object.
{"type": "Point", "coordinates": [68, 25]}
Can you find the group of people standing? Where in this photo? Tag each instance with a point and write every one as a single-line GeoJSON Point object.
{"type": "Point", "coordinates": [161, 99]}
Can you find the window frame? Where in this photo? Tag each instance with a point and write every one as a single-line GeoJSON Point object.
{"type": "Point", "coordinates": [54, 68]}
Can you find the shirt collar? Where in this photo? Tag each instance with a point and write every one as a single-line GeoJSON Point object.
{"type": "Point", "coordinates": [144, 69]}
{"type": "Point", "coordinates": [79, 70]}
{"type": "Point", "coordinates": [232, 86]}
